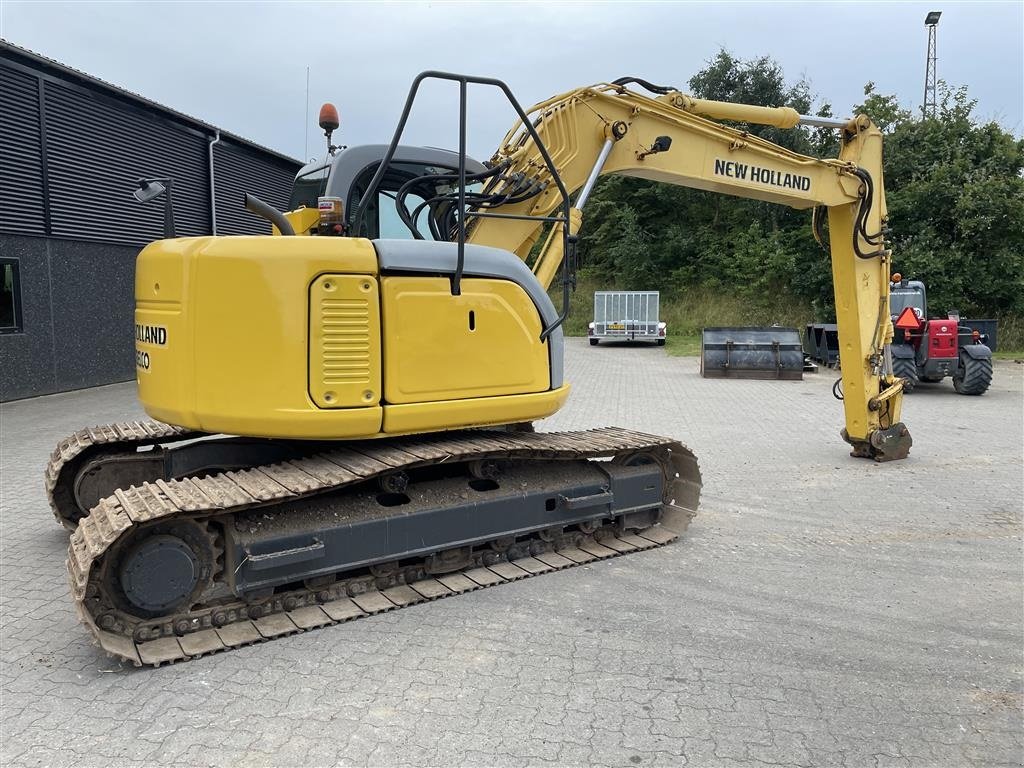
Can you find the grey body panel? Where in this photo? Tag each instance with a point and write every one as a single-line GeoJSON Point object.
{"type": "Point", "coordinates": [350, 162]}
{"type": "Point", "coordinates": [429, 257]}
{"type": "Point", "coordinates": [332, 533]}
{"type": "Point", "coordinates": [938, 367]}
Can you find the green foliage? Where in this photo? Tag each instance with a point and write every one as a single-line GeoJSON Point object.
{"type": "Point", "coordinates": [885, 111]}
{"type": "Point", "coordinates": [954, 189]}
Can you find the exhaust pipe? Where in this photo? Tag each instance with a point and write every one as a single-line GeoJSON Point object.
{"type": "Point", "coordinates": [254, 205]}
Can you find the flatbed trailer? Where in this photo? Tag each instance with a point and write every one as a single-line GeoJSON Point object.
{"type": "Point", "coordinates": [626, 316]}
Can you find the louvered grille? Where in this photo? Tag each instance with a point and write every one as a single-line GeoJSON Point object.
{"type": "Point", "coordinates": [94, 166]}
{"type": "Point", "coordinates": [344, 341]}
{"type": "Point", "coordinates": [21, 162]}
{"type": "Point", "coordinates": [345, 326]}
{"type": "Point", "coordinates": [237, 171]}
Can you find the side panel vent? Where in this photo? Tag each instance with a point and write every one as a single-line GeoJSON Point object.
{"type": "Point", "coordinates": [344, 341]}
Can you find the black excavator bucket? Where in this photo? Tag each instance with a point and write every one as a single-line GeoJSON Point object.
{"type": "Point", "coordinates": [751, 353]}
{"type": "Point", "coordinates": [821, 343]}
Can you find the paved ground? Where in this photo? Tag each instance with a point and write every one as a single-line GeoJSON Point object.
{"type": "Point", "coordinates": [822, 611]}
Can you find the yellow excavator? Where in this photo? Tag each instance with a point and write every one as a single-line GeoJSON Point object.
{"type": "Point", "coordinates": [344, 411]}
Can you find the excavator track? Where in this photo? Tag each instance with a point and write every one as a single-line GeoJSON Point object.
{"type": "Point", "coordinates": [104, 549]}
{"type": "Point", "coordinates": [74, 450]}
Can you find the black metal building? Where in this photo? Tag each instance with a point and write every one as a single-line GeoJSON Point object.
{"type": "Point", "coordinates": [72, 148]}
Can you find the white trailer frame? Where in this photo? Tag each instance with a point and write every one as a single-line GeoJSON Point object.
{"type": "Point", "coordinates": [627, 316]}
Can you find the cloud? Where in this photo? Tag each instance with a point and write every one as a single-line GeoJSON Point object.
{"type": "Point", "coordinates": [242, 66]}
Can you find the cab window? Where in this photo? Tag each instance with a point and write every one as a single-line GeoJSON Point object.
{"type": "Point", "coordinates": [308, 187]}
{"type": "Point", "coordinates": [382, 218]}
{"type": "Point", "coordinates": [901, 298]}
{"type": "Point", "coordinates": [389, 222]}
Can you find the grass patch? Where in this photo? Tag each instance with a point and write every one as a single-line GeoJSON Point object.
{"type": "Point", "coordinates": [688, 312]}
{"type": "Point", "coordinates": [683, 346]}
{"type": "Point", "coordinates": [1008, 354]}
{"type": "Point", "coordinates": [1010, 337]}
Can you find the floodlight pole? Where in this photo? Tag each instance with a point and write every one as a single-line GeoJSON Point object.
{"type": "Point", "coordinates": [930, 77]}
{"type": "Point", "coordinates": [167, 183]}
{"type": "Point", "coordinates": [169, 230]}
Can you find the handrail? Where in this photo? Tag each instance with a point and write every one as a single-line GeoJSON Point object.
{"type": "Point", "coordinates": [464, 81]}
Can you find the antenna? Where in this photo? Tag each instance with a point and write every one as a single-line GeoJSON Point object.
{"type": "Point", "coordinates": [932, 22]}
{"type": "Point", "coordinates": [305, 117]}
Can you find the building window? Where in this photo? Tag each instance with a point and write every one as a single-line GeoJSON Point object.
{"type": "Point", "coordinates": [10, 297]}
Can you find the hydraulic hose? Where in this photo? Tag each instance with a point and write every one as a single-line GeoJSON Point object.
{"type": "Point", "coordinates": [661, 89]}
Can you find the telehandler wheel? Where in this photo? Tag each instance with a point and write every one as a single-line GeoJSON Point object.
{"type": "Point", "coordinates": [906, 369]}
{"type": "Point", "coordinates": [973, 376]}
{"type": "Point", "coordinates": [593, 342]}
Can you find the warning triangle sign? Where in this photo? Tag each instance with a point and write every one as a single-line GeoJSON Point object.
{"type": "Point", "coordinates": [907, 320]}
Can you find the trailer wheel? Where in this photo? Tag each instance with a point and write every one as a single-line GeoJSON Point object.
{"type": "Point", "coordinates": [906, 369]}
{"type": "Point", "coordinates": [593, 342]}
{"type": "Point", "coordinates": [973, 376]}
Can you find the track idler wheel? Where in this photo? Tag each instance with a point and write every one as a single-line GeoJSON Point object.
{"type": "Point", "coordinates": [161, 569]}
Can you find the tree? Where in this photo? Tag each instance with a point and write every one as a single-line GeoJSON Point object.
{"type": "Point", "coordinates": [884, 111]}
{"type": "Point", "coordinates": [954, 189]}
{"type": "Point", "coordinates": [955, 194]}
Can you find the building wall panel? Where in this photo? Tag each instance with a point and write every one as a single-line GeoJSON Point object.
{"type": "Point", "coordinates": [21, 163]}
{"type": "Point", "coordinates": [238, 170]}
{"type": "Point", "coordinates": [96, 153]}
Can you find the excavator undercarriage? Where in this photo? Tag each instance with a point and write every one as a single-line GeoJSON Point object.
{"type": "Point", "coordinates": [167, 570]}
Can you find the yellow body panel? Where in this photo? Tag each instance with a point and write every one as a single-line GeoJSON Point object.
{"type": "Point", "coordinates": [235, 358]}
{"type": "Point", "coordinates": [302, 220]}
{"type": "Point", "coordinates": [476, 412]}
{"type": "Point", "coordinates": [281, 338]}
{"type": "Point", "coordinates": [482, 343]}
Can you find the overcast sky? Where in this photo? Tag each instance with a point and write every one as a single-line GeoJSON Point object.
{"type": "Point", "coordinates": [242, 66]}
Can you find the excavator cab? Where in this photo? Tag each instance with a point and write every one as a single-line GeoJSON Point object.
{"type": "Point", "coordinates": [905, 293]}
{"type": "Point", "coordinates": [345, 176]}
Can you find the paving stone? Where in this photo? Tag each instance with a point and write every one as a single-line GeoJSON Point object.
{"type": "Point", "coordinates": [820, 610]}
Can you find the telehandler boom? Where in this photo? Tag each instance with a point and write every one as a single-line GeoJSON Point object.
{"type": "Point", "coordinates": [345, 417]}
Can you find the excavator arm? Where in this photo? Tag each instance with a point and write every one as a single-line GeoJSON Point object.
{"type": "Point", "coordinates": [670, 138]}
